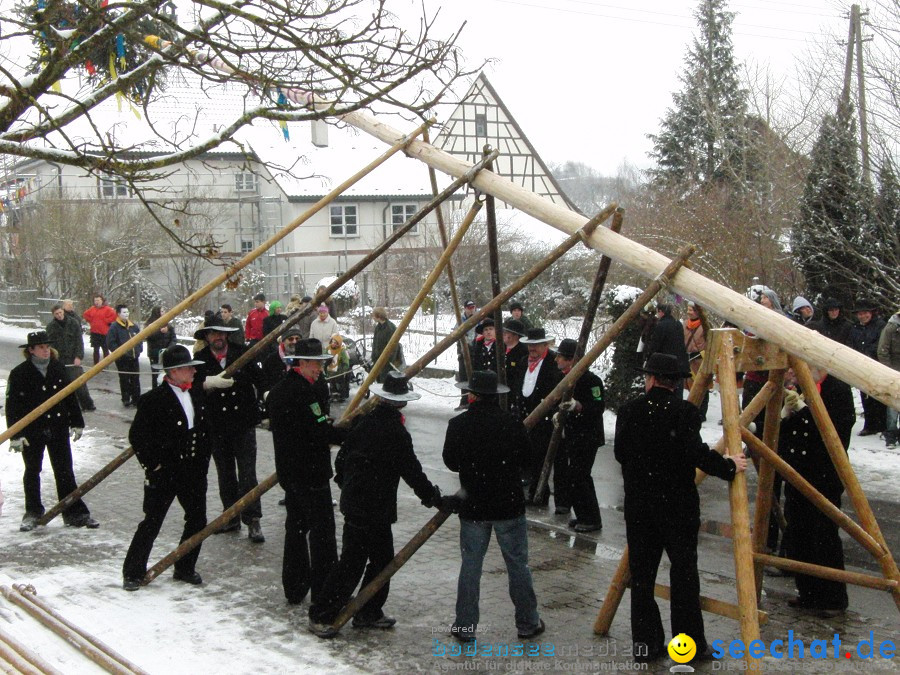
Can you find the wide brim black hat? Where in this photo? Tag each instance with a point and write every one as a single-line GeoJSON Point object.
{"type": "Point", "coordinates": [832, 303]}
{"type": "Point", "coordinates": [395, 388]}
{"type": "Point", "coordinates": [309, 349]}
{"type": "Point", "coordinates": [176, 356]}
{"type": "Point", "coordinates": [37, 337]}
{"type": "Point", "coordinates": [664, 365]}
{"type": "Point", "coordinates": [865, 305]}
{"type": "Point", "coordinates": [483, 382]}
{"type": "Point", "coordinates": [536, 336]}
{"type": "Point", "coordinates": [567, 348]}
{"type": "Point", "coordinates": [485, 323]}
{"type": "Point", "coordinates": [515, 326]}
{"type": "Point", "coordinates": [215, 324]}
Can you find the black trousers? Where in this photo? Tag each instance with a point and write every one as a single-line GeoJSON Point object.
{"type": "Point", "coordinates": [583, 495]}
{"type": "Point", "coordinates": [188, 485]}
{"type": "Point", "coordinates": [539, 435]}
{"type": "Point", "coordinates": [362, 543]}
{"type": "Point", "coordinates": [60, 453]}
{"type": "Point", "coordinates": [562, 477]}
{"type": "Point", "coordinates": [129, 380]}
{"type": "Point", "coordinates": [310, 547]}
{"type": "Point", "coordinates": [98, 343]}
{"type": "Point", "coordinates": [650, 532]}
{"type": "Point", "coordinates": [234, 454]}
{"type": "Point", "coordinates": [875, 413]}
{"type": "Point", "coordinates": [73, 372]}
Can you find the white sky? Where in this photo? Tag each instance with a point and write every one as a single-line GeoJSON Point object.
{"type": "Point", "coordinates": [588, 80]}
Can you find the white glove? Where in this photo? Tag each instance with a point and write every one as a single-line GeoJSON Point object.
{"type": "Point", "coordinates": [557, 419]}
{"type": "Point", "coordinates": [217, 382]}
{"type": "Point", "coordinates": [18, 444]}
{"type": "Point", "coordinates": [569, 406]}
{"type": "Point", "coordinates": [793, 403]}
{"type": "Point", "coordinates": [76, 433]}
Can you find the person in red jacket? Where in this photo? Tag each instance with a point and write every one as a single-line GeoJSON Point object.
{"type": "Point", "coordinates": [99, 316]}
{"type": "Point", "coordinates": [253, 328]}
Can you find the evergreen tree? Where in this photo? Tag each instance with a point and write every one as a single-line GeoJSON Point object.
{"type": "Point", "coordinates": [832, 240]}
{"type": "Point", "coordinates": [623, 382]}
{"type": "Point", "coordinates": [704, 134]}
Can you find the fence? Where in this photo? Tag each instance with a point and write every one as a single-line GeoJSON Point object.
{"type": "Point", "coordinates": [20, 305]}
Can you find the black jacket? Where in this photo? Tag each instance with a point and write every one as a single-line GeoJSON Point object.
{"type": "Point", "coordinates": [67, 338]}
{"type": "Point", "coordinates": [159, 432]}
{"type": "Point", "coordinates": [864, 339]}
{"type": "Point", "coordinates": [237, 407]}
{"type": "Point", "coordinates": [488, 449]}
{"type": "Point", "coordinates": [159, 341]}
{"type": "Point", "coordinates": [548, 377]}
{"type": "Point", "coordinates": [301, 432]}
{"type": "Point", "coordinates": [838, 330]}
{"type": "Point", "coordinates": [377, 453]}
{"type": "Point", "coordinates": [586, 427]}
{"type": "Point", "coordinates": [118, 335]}
{"type": "Point", "coordinates": [668, 338]}
{"type": "Point", "coordinates": [658, 445]}
{"type": "Point", "coordinates": [800, 445]}
{"type": "Point", "coordinates": [27, 388]}
{"type": "Point", "coordinates": [272, 322]}
{"type": "Point", "coordinates": [484, 357]}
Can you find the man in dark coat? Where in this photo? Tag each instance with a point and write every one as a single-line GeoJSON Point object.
{"type": "Point", "coordinates": [302, 435]}
{"type": "Point", "coordinates": [541, 376]}
{"type": "Point", "coordinates": [864, 339]}
{"type": "Point", "coordinates": [384, 331]}
{"type": "Point", "coordinates": [516, 363]}
{"type": "Point", "coordinates": [488, 447]}
{"type": "Point", "coordinates": [810, 535]}
{"type": "Point", "coordinates": [64, 331]}
{"type": "Point", "coordinates": [121, 331]}
{"type": "Point", "coordinates": [233, 416]}
{"type": "Point", "coordinates": [377, 453]}
{"type": "Point", "coordinates": [30, 384]}
{"type": "Point", "coordinates": [582, 435]}
{"type": "Point", "coordinates": [668, 338]}
{"type": "Point", "coordinates": [832, 324]}
{"type": "Point", "coordinates": [659, 447]}
{"type": "Point", "coordinates": [484, 356]}
{"type": "Point", "coordinates": [468, 311]}
{"type": "Point", "coordinates": [236, 337]}
{"type": "Point", "coordinates": [170, 437]}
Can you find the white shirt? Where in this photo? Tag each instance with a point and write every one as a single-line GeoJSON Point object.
{"type": "Point", "coordinates": [531, 379]}
{"type": "Point", "coordinates": [184, 398]}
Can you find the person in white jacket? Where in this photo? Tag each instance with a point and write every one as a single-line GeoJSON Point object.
{"type": "Point", "coordinates": [324, 326]}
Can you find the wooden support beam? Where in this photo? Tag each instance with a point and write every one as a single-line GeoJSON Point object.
{"type": "Point", "coordinates": [830, 573]}
{"type": "Point", "coordinates": [713, 606]}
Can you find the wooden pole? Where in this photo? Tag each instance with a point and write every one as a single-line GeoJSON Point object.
{"type": "Point", "coordinates": [429, 282]}
{"type": "Point", "coordinates": [851, 366]}
{"type": "Point", "coordinates": [21, 658]}
{"type": "Point", "coordinates": [74, 639]}
{"type": "Point", "coordinates": [398, 561]}
{"type": "Point", "coordinates": [30, 595]}
{"type": "Point", "coordinates": [737, 493]}
{"type": "Point", "coordinates": [841, 519]}
{"type": "Point", "coordinates": [587, 325]}
{"type": "Point", "coordinates": [842, 465]}
{"type": "Point", "coordinates": [451, 276]}
{"type": "Point", "coordinates": [830, 573]}
{"type": "Point", "coordinates": [568, 382]}
{"type": "Point", "coordinates": [487, 310]}
{"type": "Point", "coordinates": [205, 290]}
{"type": "Point", "coordinates": [766, 480]}
{"type": "Point", "coordinates": [713, 606]}
{"type": "Point", "coordinates": [494, 260]}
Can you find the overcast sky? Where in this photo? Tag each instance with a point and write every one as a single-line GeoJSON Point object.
{"type": "Point", "coordinates": [588, 80]}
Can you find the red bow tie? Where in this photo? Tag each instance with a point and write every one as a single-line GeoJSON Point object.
{"type": "Point", "coordinates": [534, 363]}
{"type": "Point", "coordinates": [184, 387]}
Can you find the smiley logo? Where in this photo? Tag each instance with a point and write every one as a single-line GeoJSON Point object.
{"type": "Point", "coordinates": [682, 648]}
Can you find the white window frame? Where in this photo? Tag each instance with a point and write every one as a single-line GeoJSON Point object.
{"type": "Point", "coordinates": [400, 213]}
{"type": "Point", "coordinates": [112, 187]}
{"type": "Point", "coordinates": [245, 181]}
{"type": "Point", "coordinates": [246, 246]}
{"type": "Point", "coordinates": [338, 217]}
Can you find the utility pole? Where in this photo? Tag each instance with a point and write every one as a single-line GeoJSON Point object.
{"type": "Point", "coordinates": [848, 63]}
{"type": "Point", "coordinates": [861, 86]}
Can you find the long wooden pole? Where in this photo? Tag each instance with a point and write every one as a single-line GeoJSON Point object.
{"type": "Point", "coordinates": [737, 493]}
{"type": "Point", "coordinates": [845, 363]}
{"type": "Point", "coordinates": [587, 325]}
{"type": "Point", "coordinates": [568, 382]}
{"type": "Point", "coordinates": [842, 465]}
{"type": "Point", "coordinates": [429, 282]}
{"type": "Point", "coordinates": [205, 290]}
{"type": "Point", "coordinates": [799, 567]}
{"type": "Point", "coordinates": [21, 658]}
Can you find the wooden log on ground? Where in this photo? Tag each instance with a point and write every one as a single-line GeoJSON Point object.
{"type": "Point", "coordinates": [830, 573]}
{"type": "Point", "coordinates": [22, 659]}
{"type": "Point", "coordinates": [713, 606]}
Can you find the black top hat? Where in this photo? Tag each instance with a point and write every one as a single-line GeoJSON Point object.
{"type": "Point", "coordinates": [515, 305]}
{"type": "Point", "coordinates": [215, 323]}
{"type": "Point", "coordinates": [536, 336]}
{"type": "Point", "coordinates": [176, 356]}
{"type": "Point", "coordinates": [832, 303]}
{"type": "Point", "coordinates": [865, 305]}
{"type": "Point", "coordinates": [664, 365]}
{"type": "Point", "coordinates": [309, 349]}
{"type": "Point", "coordinates": [38, 337]}
{"type": "Point", "coordinates": [395, 388]}
{"type": "Point", "coordinates": [485, 323]}
{"type": "Point", "coordinates": [483, 382]}
{"type": "Point", "coordinates": [514, 326]}
{"type": "Point", "coordinates": [566, 348]}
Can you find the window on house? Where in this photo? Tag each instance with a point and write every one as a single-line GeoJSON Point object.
{"type": "Point", "coordinates": [344, 221]}
{"type": "Point", "coordinates": [112, 188]}
{"type": "Point", "coordinates": [245, 181]}
{"type": "Point", "coordinates": [400, 213]}
{"type": "Point", "coordinates": [246, 246]}
{"type": "Point", "coordinates": [480, 125]}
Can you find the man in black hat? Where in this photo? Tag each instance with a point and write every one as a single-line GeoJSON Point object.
{"type": "Point", "coordinates": [377, 453]}
{"type": "Point", "coordinates": [276, 364]}
{"type": "Point", "coordinates": [540, 378]}
{"type": "Point", "coordinates": [302, 435]}
{"type": "Point", "coordinates": [483, 354]}
{"type": "Point", "coordinates": [582, 435]}
{"type": "Point", "coordinates": [170, 437]}
{"type": "Point", "coordinates": [516, 363]}
{"type": "Point", "coordinates": [864, 339]}
{"type": "Point", "coordinates": [469, 308]}
{"type": "Point", "coordinates": [31, 383]}
{"type": "Point", "coordinates": [832, 324]}
{"type": "Point", "coordinates": [658, 445]}
{"type": "Point", "coordinates": [668, 337]}
{"type": "Point", "coordinates": [233, 416]}
{"type": "Point", "coordinates": [488, 448]}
